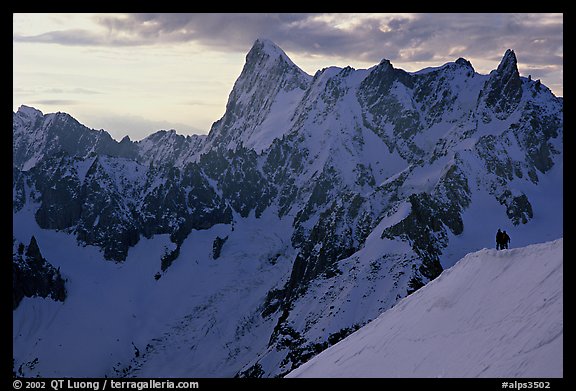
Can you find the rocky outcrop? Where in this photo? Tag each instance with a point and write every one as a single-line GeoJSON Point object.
{"type": "Point", "coordinates": [33, 275]}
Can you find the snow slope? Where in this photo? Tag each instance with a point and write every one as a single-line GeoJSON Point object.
{"type": "Point", "coordinates": [117, 314]}
{"type": "Point", "coordinates": [493, 314]}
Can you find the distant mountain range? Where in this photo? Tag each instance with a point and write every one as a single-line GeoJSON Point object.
{"type": "Point", "coordinates": [313, 205]}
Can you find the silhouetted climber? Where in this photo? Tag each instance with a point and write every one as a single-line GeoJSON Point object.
{"type": "Point", "coordinates": [499, 240]}
{"type": "Point", "coordinates": [505, 240]}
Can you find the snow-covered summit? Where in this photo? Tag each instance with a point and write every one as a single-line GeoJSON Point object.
{"type": "Point", "coordinates": [265, 46]}
{"type": "Point", "coordinates": [27, 111]}
{"type": "Point", "coordinates": [265, 55]}
{"type": "Point", "coordinates": [463, 62]}
{"type": "Point", "coordinates": [493, 314]}
{"type": "Point", "coordinates": [459, 63]}
{"type": "Point", "coordinates": [503, 91]}
{"type": "Point", "coordinates": [509, 63]}
{"type": "Point", "coordinates": [262, 101]}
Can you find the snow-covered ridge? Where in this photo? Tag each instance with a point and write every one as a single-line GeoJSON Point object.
{"type": "Point", "coordinates": [493, 314]}
{"type": "Point", "coordinates": [264, 105]}
{"type": "Point", "coordinates": [27, 111]}
{"type": "Point", "coordinates": [38, 136]}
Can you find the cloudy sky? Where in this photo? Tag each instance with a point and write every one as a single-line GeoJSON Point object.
{"type": "Point", "coordinates": [133, 74]}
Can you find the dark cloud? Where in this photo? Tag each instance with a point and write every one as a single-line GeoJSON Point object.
{"type": "Point", "coordinates": [417, 37]}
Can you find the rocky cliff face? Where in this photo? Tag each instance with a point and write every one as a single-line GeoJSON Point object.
{"type": "Point", "coordinates": [373, 169]}
{"type": "Point", "coordinates": [33, 275]}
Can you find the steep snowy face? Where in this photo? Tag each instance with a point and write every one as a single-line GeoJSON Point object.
{"type": "Point", "coordinates": [493, 314]}
{"type": "Point", "coordinates": [348, 190]}
{"type": "Point", "coordinates": [26, 124]}
{"type": "Point", "coordinates": [260, 105]}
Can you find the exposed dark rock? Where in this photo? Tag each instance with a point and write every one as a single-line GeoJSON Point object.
{"type": "Point", "coordinates": [503, 90]}
{"type": "Point", "coordinates": [169, 257]}
{"type": "Point", "coordinates": [34, 276]}
{"type": "Point", "coordinates": [217, 246]}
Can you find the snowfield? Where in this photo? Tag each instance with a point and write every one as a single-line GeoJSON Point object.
{"type": "Point", "coordinates": [118, 318]}
{"type": "Point", "coordinates": [493, 314]}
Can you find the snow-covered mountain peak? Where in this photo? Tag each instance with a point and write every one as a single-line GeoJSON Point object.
{"type": "Point", "coordinates": [28, 112]}
{"type": "Point", "coordinates": [383, 67]}
{"type": "Point", "coordinates": [509, 63]}
{"type": "Point", "coordinates": [385, 64]}
{"type": "Point", "coordinates": [266, 54]}
{"type": "Point", "coordinates": [503, 89]}
{"type": "Point", "coordinates": [268, 79]}
{"type": "Point", "coordinates": [461, 65]}
{"type": "Point", "coordinates": [385, 73]}
{"type": "Point", "coordinates": [507, 70]}
{"type": "Point", "coordinates": [265, 45]}
{"type": "Point", "coordinates": [463, 62]}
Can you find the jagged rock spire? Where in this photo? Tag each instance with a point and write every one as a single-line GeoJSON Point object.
{"type": "Point", "coordinates": [509, 64]}
{"type": "Point", "coordinates": [463, 62]}
{"type": "Point", "coordinates": [504, 88]}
